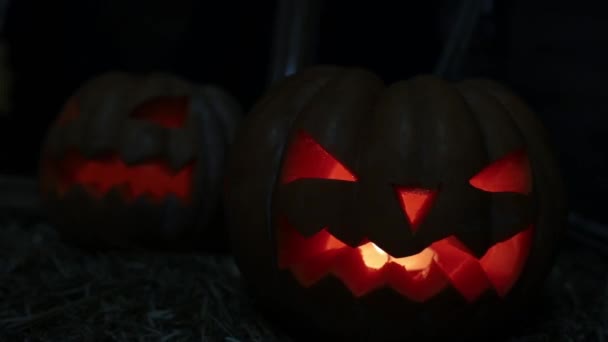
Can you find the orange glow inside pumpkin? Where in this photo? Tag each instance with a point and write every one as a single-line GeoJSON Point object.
{"type": "Point", "coordinates": [307, 159]}
{"type": "Point", "coordinates": [419, 277]}
{"type": "Point", "coordinates": [153, 179]}
{"type": "Point", "coordinates": [166, 111]}
{"type": "Point", "coordinates": [510, 173]}
{"type": "Point", "coordinates": [367, 267]}
{"type": "Point", "coordinates": [415, 204]}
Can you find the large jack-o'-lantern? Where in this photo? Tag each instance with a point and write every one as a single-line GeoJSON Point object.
{"type": "Point", "coordinates": [421, 209]}
{"type": "Point", "coordinates": [137, 160]}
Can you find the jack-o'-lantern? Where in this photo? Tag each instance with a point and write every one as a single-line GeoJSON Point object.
{"type": "Point", "coordinates": [137, 161]}
{"type": "Point", "coordinates": [420, 209]}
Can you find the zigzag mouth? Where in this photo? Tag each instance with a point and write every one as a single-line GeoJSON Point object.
{"type": "Point", "coordinates": [153, 179]}
{"type": "Point", "coordinates": [419, 277]}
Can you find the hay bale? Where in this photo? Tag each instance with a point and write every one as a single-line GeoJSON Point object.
{"type": "Point", "coordinates": [50, 292]}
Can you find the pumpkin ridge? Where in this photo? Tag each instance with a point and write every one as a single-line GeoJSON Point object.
{"type": "Point", "coordinates": [291, 84]}
{"type": "Point", "coordinates": [210, 165]}
{"type": "Point", "coordinates": [487, 204]}
{"type": "Point", "coordinates": [312, 118]}
{"type": "Point", "coordinates": [547, 189]}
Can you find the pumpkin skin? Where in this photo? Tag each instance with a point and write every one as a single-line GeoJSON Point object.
{"type": "Point", "coordinates": [452, 185]}
{"type": "Point", "coordinates": [137, 161]}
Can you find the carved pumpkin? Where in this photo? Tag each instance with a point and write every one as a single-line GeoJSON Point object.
{"type": "Point", "coordinates": [423, 208]}
{"type": "Point", "coordinates": [138, 161]}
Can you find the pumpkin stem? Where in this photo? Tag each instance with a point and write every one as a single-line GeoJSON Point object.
{"type": "Point", "coordinates": [455, 47]}
{"type": "Point", "coordinates": [296, 30]}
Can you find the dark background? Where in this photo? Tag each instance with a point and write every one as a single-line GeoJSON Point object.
{"type": "Point", "coordinates": [553, 53]}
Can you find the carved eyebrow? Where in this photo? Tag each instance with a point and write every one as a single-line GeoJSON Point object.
{"type": "Point", "coordinates": [510, 173]}
{"type": "Point", "coordinates": [306, 158]}
{"type": "Point", "coordinates": [165, 111]}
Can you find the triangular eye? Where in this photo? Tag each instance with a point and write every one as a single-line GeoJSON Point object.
{"type": "Point", "coordinates": [305, 158]}
{"type": "Point", "coordinates": [415, 203]}
{"type": "Point", "coordinates": [511, 173]}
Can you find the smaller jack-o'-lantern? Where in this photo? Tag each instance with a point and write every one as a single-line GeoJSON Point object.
{"type": "Point", "coordinates": [138, 161]}
{"type": "Point", "coordinates": [420, 209]}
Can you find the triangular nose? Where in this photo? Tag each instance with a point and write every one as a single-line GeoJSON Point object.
{"type": "Point", "coordinates": [415, 203]}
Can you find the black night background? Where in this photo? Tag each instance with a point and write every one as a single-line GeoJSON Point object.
{"type": "Point", "coordinates": [551, 53]}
